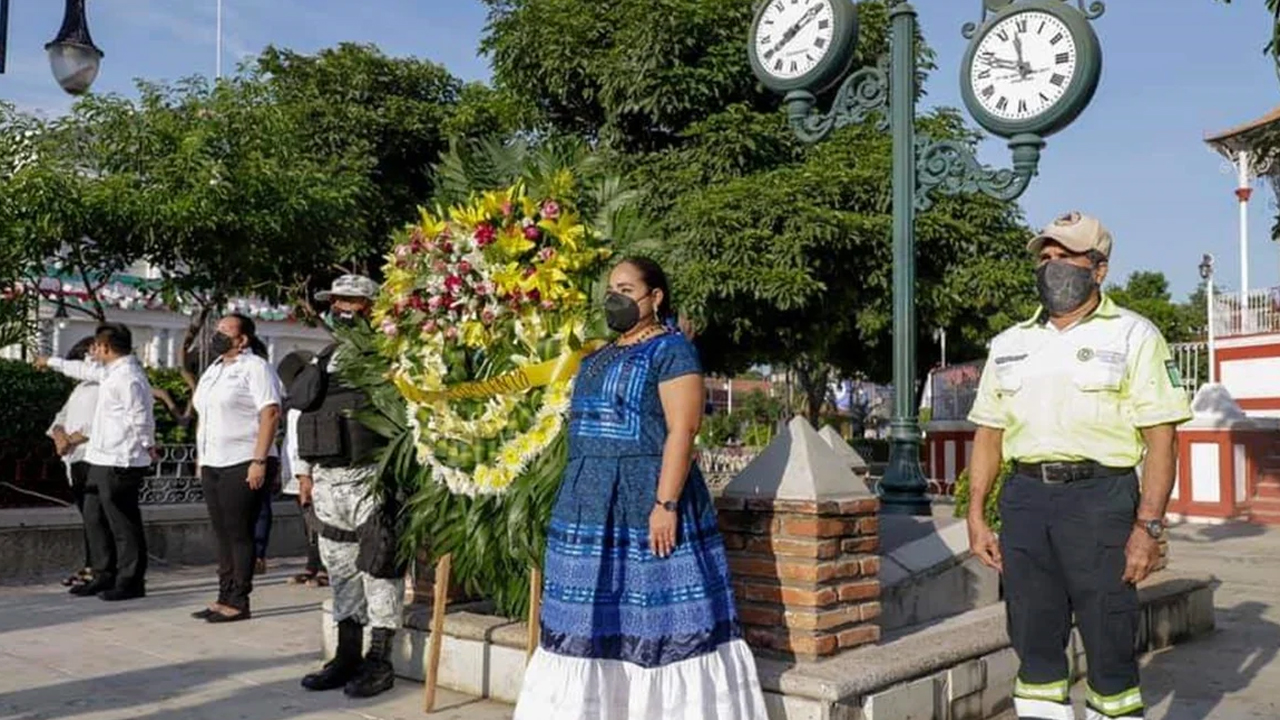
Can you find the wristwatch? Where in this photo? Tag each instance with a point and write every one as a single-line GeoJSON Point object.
{"type": "Point", "coordinates": [1154, 528]}
{"type": "Point", "coordinates": [668, 505]}
{"type": "Point", "coordinates": [258, 461]}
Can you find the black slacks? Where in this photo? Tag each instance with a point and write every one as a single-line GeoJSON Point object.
{"type": "Point", "coordinates": [1064, 555]}
{"type": "Point", "coordinates": [233, 511]}
{"type": "Point", "coordinates": [113, 523]}
{"type": "Point", "coordinates": [78, 473]}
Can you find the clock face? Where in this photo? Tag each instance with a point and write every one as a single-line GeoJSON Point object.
{"type": "Point", "coordinates": [793, 36]}
{"type": "Point", "coordinates": [1023, 65]}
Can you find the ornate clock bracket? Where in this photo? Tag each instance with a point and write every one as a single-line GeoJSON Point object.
{"type": "Point", "coordinates": [1091, 11]}
{"type": "Point", "coordinates": [948, 166]}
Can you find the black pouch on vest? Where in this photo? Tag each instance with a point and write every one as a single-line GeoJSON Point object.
{"type": "Point", "coordinates": [379, 538]}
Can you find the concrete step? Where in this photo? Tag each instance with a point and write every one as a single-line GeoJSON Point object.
{"type": "Point", "coordinates": [1267, 488]}
{"type": "Point", "coordinates": [1261, 516]}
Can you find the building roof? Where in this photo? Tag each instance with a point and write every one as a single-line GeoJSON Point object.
{"type": "Point", "coordinates": [1246, 136]}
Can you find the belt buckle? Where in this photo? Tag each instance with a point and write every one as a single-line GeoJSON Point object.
{"type": "Point", "coordinates": [1047, 468]}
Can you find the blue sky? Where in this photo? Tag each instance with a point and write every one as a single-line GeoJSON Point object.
{"type": "Point", "coordinates": [1135, 158]}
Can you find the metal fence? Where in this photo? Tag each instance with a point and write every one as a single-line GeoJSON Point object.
{"type": "Point", "coordinates": [1193, 364]}
{"type": "Point", "coordinates": [36, 477]}
{"type": "Point", "coordinates": [1257, 312]}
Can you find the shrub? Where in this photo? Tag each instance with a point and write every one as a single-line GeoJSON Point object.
{"type": "Point", "coordinates": [32, 398]}
{"type": "Point", "coordinates": [992, 510]}
{"type": "Point", "coordinates": [170, 430]}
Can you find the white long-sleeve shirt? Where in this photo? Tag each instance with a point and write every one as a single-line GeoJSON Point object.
{"type": "Point", "coordinates": [229, 400]}
{"type": "Point", "coordinates": [76, 416]}
{"type": "Point", "coordinates": [123, 429]}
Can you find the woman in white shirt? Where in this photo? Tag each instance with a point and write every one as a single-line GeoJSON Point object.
{"type": "Point", "coordinates": [238, 405]}
{"type": "Point", "coordinates": [70, 433]}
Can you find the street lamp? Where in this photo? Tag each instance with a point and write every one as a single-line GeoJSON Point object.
{"type": "Point", "coordinates": [1206, 274]}
{"type": "Point", "coordinates": [73, 57]}
{"type": "Point", "coordinates": [1031, 68]}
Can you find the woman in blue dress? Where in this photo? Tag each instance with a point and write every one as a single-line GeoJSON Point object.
{"type": "Point", "coordinates": [638, 617]}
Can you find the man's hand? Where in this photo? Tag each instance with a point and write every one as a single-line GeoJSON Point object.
{"type": "Point", "coordinates": [1141, 554]}
{"type": "Point", "coordinates": [984, 543]}
{"type": "Point", "coordinates": [304, 490]}
{"type": "Point", "coordinates": [155, 454]}
{"type": "Point", "coordinates": [257, 475]}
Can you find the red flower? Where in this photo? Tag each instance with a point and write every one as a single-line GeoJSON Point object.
{"type": "Point", "coordinates": [452, 283]}
{"type": "Point", "coordinates": [464, 267]}
{"type": "Point", "coordinates": [531, 232]}
{"type": "Point", "coordinates": [484, 234]}
{"type": "Point", "coordinates": [551, 209]}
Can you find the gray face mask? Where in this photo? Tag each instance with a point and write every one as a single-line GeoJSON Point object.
{"type": "Point", "coordinates": [1064, 287]}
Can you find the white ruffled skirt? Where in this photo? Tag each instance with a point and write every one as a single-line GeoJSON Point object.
{"type": "Point", "coordinates": [720, 685]}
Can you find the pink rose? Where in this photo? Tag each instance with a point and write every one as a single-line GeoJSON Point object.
{"type": "Point", "coordinates": [487, 316]}
{"type": "Point", "coordinates": [429, 327]}
{"type": "Point", "coordinates": [531, 232]}
{"type": "Point", "coordinates": [464, 267]}
{"type": "Point", "coordinates": [388, 328]}
{"type": "Point", "coordinates": [551, 209]}
{"type": "Point", "coordinates": [452, 284]}
{"type": "Point", "coordinates": [506, 208]}
{"type": "Point", "coordinates": [439, 266]}
{"type": "Point", "coordinates": [451, 332]}
{"type": "Point", "coordinates": [435, 302]}
{"type": "Point", "coordinates": [483, 288]}
{"type": "Point", "coordinates": [546, 254]}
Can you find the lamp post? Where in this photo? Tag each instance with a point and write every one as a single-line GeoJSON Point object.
{"type": "Point", "coordinates": [1206, 274]}
{"type": "Point", "coordinates": [73, 57]}
{"type": "Point", "coordinates": [1031, 68]}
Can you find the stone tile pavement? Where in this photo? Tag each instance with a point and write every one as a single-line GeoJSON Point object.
{"type": "Point", "coordinates": [64, 657]}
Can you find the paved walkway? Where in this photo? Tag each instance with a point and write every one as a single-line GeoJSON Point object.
{"type": "Point", "coordinates": [67, 657]}
{"type": "Point", "coordinates": [64, 657]}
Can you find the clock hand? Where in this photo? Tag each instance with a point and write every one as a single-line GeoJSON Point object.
{"type": "Point", "coordinates": [1022, 65]}
{"type": "Point", "coordinates": [994, 62]}
{"type": "Point", "coordinates": [792, 31]}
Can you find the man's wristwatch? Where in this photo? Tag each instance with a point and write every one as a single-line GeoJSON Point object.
{"type": "Point", "coordinates": [668, 505]}
{"type": "Point", "coordinates": [1154, 528]}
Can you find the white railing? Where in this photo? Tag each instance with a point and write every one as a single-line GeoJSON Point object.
{"type": "Point", "coordinates": [1256, 313]}
{"type": "Point", "coordinates": [1193, 364]}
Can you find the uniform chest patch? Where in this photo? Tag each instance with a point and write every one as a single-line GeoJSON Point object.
{"type": "Point", "coordinates": [1085, 354]}
{"type": "Point", "coordinates": [1175, 376]}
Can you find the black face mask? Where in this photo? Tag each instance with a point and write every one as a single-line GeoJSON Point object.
{"type": "Point", "coordinates": [1064, 287]}
{"type": "Point", "coordinates": [621, 313]}
{"type": "Point", "coordinates": [220, 344]}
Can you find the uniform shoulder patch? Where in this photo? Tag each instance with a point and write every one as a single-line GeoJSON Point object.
{"type": "Point", "coordinates": [1175, 376]}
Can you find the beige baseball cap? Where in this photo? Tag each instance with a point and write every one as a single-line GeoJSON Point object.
{"type": "Point", "coordinates": [1076, 232]}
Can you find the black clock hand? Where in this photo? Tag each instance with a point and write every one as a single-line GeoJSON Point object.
{"type": "Point", "coordinates": [1022, 65]}
{"type": "Point", "coordinates": [792, 31]}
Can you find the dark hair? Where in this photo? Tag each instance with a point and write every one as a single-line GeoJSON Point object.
{"type": "Point", "coordinates": [654, 277]}
{"type": "Point", "coordinates": [249, 329]}
{"type": "Point", "coordinates": [80, 350]}
{"type": "Point", "coordinates": [115, 336]}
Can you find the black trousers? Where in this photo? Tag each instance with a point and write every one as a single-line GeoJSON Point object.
{"type": "Point", "coordinates": [1064, 555]}
{"type": "Point", "coordinates": [79, 475]}
{"type": "Point", "coordinates": [113, 522]}
{"type": "Point", "coordinates": [233, 511]}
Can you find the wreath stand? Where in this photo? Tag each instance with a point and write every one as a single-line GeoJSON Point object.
{"type": "Point", "coordinates": [440, 601]}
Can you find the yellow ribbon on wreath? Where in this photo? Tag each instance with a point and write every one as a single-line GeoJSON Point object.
{"type": "Point", "coordinates": [531, 376]}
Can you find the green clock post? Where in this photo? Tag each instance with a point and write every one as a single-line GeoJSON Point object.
{"type": "Point", "coordinates": [1030, 69]}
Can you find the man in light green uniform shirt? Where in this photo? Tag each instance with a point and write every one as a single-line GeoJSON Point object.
{"type": "Point", "coordinates": [1078, 397]}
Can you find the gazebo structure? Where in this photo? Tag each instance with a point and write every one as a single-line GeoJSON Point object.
{"type": "Point", "coordinates": [1252, 149]}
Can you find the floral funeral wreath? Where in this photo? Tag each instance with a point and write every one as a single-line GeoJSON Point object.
{"type": "Point", "coordinates": [483, 317]}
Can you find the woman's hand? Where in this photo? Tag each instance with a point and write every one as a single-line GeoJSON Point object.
{"type": "Point", "coordinates": [257, 475]}
{"type": "Point", "coordinates": [662, 531]}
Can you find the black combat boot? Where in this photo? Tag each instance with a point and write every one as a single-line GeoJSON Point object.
{"type": "Point", "coordinates": [345, 663]}
{"type": "Point", "coordinates": [376, 674]}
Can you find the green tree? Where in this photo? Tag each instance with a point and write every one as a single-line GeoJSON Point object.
{"type": "Point", "coordinates": [358, 102]}
{"type": "Point", "coordinates": [1147, 293]}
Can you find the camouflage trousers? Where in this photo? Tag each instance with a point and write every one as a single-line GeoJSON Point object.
{"type": "Point", "coordinates": [341, 500]}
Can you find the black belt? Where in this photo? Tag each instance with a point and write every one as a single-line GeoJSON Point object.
{"type": "Point", "coordinates": [334, 534]}
{"type": "Point", "coordinates": [1059, 473]}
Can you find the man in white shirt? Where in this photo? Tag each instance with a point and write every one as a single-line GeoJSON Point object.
{"type": "Point", "coordinates": [120, 449]}
{"type": "Point", "coordinates": [70, 433]}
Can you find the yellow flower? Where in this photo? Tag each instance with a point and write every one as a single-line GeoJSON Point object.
{"type": "Point", "coordinates": [430, 224]}
{"type": "Point", "coordinates": [474, 334]}
{"type": "Point", "coordinates": [512, 243]}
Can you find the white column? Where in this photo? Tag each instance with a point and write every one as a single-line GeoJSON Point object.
{"type": "Point", "coordinates": [1243, 191]}
{"type": "Point", "coordinates": [153, 348]}
{"type": "Point", "coordinates": [170, 349]}
{"type": "Point", "coordinates": [55, 339]}
{"type": "Point", "coordinates": [271, 348]}
{"type": "Point", "coordinates": [1213, 356]}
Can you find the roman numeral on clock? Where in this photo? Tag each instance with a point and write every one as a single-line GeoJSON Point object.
{"type": "Point", "coordinates": [1062, 58]}
{"type": "Point", "coordinates": [1055, 39]}
{"type": "Point", "coordinates": [984, 74]}
{"type": "Point", "coordinates": [1002, 103]}
{"type": "Point", "coordinates": [1003, 35]}
{"type": "Point", "coordinates": [988, 91]}
{"type": "Point", "coordinates": [1022, 106]}
{"type": "Point", "coordinates": [1022, 25]}
{"type": "Point", "coordinates": [794, 66]}
{"type": "Point", "coordinates": [778, 65]}
{"type": "Point", "coordinates": [819, 43]}
{"type": "Point", "coordinates": [824, 24]}
{"type": "Point", "coordinates": [1058, 79]}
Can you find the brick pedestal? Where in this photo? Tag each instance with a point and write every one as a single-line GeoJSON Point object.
{"type": "Point", "coordinates": [804, 572]}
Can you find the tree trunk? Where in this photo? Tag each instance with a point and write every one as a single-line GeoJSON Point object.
{"type": "Point", "coordinates": [813, 379]}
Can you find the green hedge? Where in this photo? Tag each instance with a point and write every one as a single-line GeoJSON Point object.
{"type": "Point", "coordinates": [31, 400]}
{"type": "Point", "coordinates": [992, 509]}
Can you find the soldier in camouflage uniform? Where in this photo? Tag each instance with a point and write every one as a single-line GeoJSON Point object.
{"type": "Point", "coordinates": [340, 494]}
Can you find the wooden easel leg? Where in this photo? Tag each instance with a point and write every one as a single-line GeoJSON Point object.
{"type": "Point", "coordinates": [440, 595]}
{"type": "Point", "coordinates": [535, 610]}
